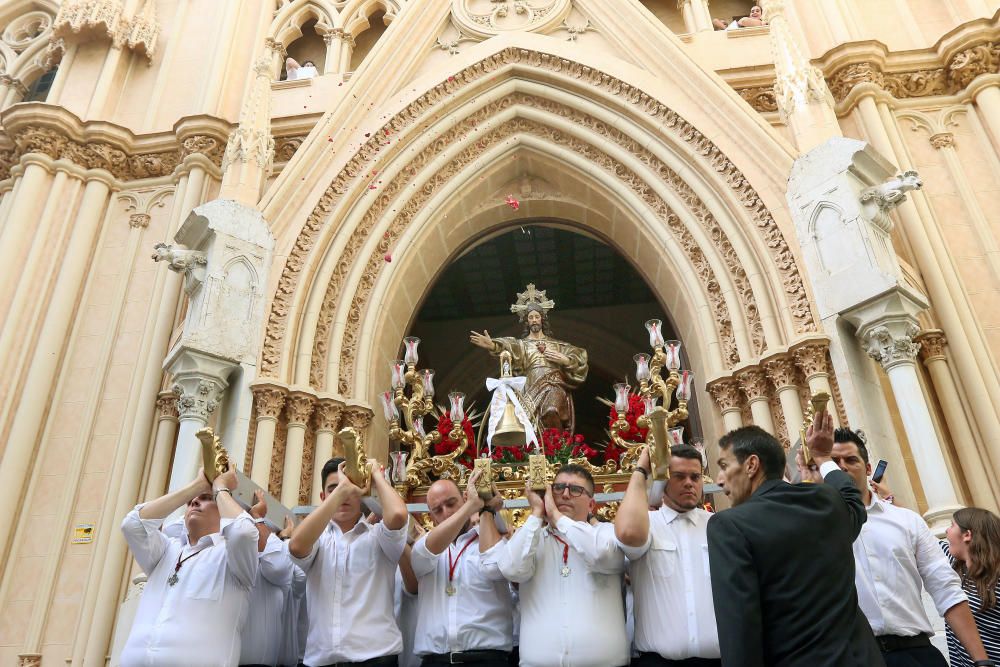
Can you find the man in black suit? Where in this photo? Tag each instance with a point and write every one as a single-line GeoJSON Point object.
{"type": "Point", "coordinates": [781, 560]}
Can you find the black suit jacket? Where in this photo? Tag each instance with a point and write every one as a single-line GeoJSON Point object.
{"type": "Point", "coordinates": [783, 577]}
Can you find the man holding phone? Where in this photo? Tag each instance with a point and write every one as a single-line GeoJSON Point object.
{"type": "Point", "coordinates": [895, 555]}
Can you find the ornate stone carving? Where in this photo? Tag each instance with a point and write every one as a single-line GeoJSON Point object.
{"type": "Point", "coordinates": [285, 147]}
{"type": "Point", "coordinates": [356, 416]}
{"type": "Point", "coordinates": [843, 81]}
{"type": "Point", "coordinates": [203, 144]}
{"type": "Point", "coordinates": [942, 140]}
{"type": "Point", "coordinates": [277, 459]}
{"type": "Point", "coordinates": [198, 401]}
{"type": "Point", "coordinates": [166, 406]}
{"type": "Point", "coordinates": [328, 415]}
{"type": "Point", "coordinates": [189, 263]}
{"type": "Point", "coordinates": [351, 177]}
{"type": "Point", "coordinates": [500, 16]}
{"type": "Point", "coordinates": [811, 358]}
{"type": "Point", "coordinates": [881, 199]}
{"type": "Point", "coordinates": [29, 660]}
{"type": "Point", "coordinates": [726, 394]}
{"type": "Point", "coordinates": [892, 346]}
{"type": "Point", "coordinates": [299, 407]}
{"type": "Point", "coordinates": [782, 372]}
{"type": "Point", "coordinates": [16, 84]}
{"type": "Point", "coordinates": [268, 401]}
{"type": "Point", "coordinates": [79, 20]}
{"type": "Point", "coordinates": [143, 31]}
{"type": "Point", "coordinates": [968, 64]}
{"type": "Point", "coordinates": [753, 382]}
{"type": "Point", "coordinates": [308, 467]}
{"type": "Point", "coordinates": [932, 345]}
{"type": "Point", "coordinates": [760, 98]}
{"type": "Point", "coordinates": [139, 220]}
{"type": "Point", "coordinates": [25, 29]}
{"type": "Point", "coordinates": [797, 82]}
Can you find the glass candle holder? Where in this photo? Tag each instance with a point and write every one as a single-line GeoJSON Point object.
{"type": "Point", "coordinates": [457, 413]}
{"type": "Point", "coordinates": [676, 435]}
{"type": "Point", "coordinates": [641, 366]}
{"type": "Point", "coordinates": [427, 380]}
{"type": "Point", "coordinates": [621, 398]}
{"type": "Point", "coordinates": [648, 404]}
{"type": "Point", "coordinates": [684, 386]}
{"type": "Point", "coordinates": [398, 368]}
{"type": "Point", "coordinates": [673, 352]}
{"type": "Point", "coordinates": [410, 344]}
{"type": "Point", "coordinates": [389, 408]}
{"type": "Point", "coordinates": [398, 466]}
{"type": "Point", "coordinates": [654, 327]}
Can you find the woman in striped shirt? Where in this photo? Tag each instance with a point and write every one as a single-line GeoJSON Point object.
{"type": "Point", "coordinates": [974, 549]}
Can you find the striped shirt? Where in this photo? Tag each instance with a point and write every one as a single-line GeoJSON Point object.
{"type": "Point", "coordinates": [988, 623]}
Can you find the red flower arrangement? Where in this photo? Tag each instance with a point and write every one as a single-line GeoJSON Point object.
{"type": "Point", "coordinates": [447, 445]}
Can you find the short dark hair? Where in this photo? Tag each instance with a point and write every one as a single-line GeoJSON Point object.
{"type": "Point", "coordinates": [749, 440]}
{"type": "Point", "coordinates": [576, 469]}
{"type": "Point", "coordinates": [687, 452]}
{"type": "Point", "coordinates": [329, 468]}
{"type": "Point", "coordinates": [847, 435]}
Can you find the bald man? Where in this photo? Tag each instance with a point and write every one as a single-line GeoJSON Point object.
{"type": "Point", "coordinates": [464, 613]}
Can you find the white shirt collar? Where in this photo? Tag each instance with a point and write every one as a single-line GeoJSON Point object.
{"type": "Point", "coordinates": [670, 514]}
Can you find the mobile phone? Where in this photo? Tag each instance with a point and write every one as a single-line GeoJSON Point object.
{"type": "Point", "coordinates": [879, 470]}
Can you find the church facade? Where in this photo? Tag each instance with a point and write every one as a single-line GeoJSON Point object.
{"type": "Point", "coordinates": [191, 236]}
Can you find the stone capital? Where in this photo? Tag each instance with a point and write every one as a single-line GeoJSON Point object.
{"type": "Point", "coordinates": [753, 382]}
{"type": "Point", "coordinates": [811, 358]}
{"type": "Point", "coordinates": [942, 140]}
{"type": "Point", "coordinates": [299, 407]}
{"type": "Point", "coordinates": [139, 220]}
{"type": "Point", "coordinates": [29, 660]}
{"type": "Point", "coordinates": [932, 344]}
{"type": "Point", "coordinates": [328, 414]}
{"type": "Point", "coordinates": [891, 343]}
{"type": "Point", "coordinates": [781, 371]}
{"type": "Point", "coordinates": [166, 406]}
{"type": "Point", "coordinates": [726, 394]}
{"type": "Point", "coordinates": [357, 417]}
{"type": "Point", "coordinates": [199, 381]}
{"type": "Point", "coordinates": [269, 400]}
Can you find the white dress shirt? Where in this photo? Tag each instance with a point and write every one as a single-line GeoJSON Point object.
{"type": "Point", "coordinates": [674, 611]}
{"type": "Point", "coordinates": [894, 553]}
{"type": "Point", "coordinates": [478, 616]}
{"type": "Point", "coordinates": [405, 607]}
{"type": "Point", "coordinates": [572, 621]}
{"type": "Point", "coordinates": [294, 624]}
{"type": "Point", "coordinates": [263, 632]}
{"type": "Point", "coordinates": [349, 582]}
{"type": "Point", "coordinates": [198, 620]}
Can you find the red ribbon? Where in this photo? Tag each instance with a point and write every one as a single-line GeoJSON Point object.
{"type": "Point", "coordinates": [565, 547]}
{"type": "Point", "coordinates": [452, 564]}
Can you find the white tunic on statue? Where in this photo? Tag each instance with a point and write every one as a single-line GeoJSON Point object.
{"type": "Point", "coordinates": [559, 614]}
{"type": "Point", "coordinates": [478, 616]}
{"type": "Point", "coordinates": [673, 588]}
{"type": "Point", "coordinates": [263, 633]}
{"type": "Point", "coordinates": [349, 590]}
{"type": "Point", "coordinates": [198, 620]}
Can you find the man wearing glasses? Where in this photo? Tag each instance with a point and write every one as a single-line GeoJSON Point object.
{"type": "Point", "coordinates": [570, 576]}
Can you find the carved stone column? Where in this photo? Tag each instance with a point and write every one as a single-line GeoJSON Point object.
{"type": "Point", "coordinates": [811, 359]}
{"type": "Point", "coordinates": [781, 372]}
{"type": "Point", "coordinates": [199, 382]}
{"type": "Point", "coordinates": [346, 51]}
{"type": "Point", "coordinates": [886, 328]}
{"type": "Point", "coordinates": [753, 382]}
{"type": "Point", "coordinates": [299, 408]}
{"type": "Point", "coordinates": [359, 418]}
{"type": "Point", "coordinates": [696, 15]}
{"type": "Point", "coordinates": [327, 419]}
{"type": "Point", "coordinates": [974, 464]}
{"type": "Point", "coordinates": [726, 394]}
{"type": "Point", "coordinates": [332, 41]}
{"type": "Point", "coordinates": [163, 444]}
{"type": "Point", "coordinates": [269, 400]}
{"type": "Point", "coordinates": [800, 90]}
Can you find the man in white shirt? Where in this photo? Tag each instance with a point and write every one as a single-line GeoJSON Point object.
{"type": "Point", "coordinates": [570, 576]}
{"type": "Point", "coordinates": [667, 552]}
{"type": "Point", "coordinates": [350, 568]}
{"type": "Point", "coordinates": [195, 601]}
{"type": "Point", "coordinates": [894, 555]}
{"type": "Point", "coordinates": [464, 611]}
{"type": "Point", "coordinates": [263, 635]}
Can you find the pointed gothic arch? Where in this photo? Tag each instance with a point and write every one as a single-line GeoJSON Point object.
{"type": "Point", "coordinates": [671, 200]}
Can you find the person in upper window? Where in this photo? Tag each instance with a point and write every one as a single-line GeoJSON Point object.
{"type": "Point", "coordinates": [195, 602]}
{"type": "Point", "coordinates": [756, 18]}
{"type": "Point", "coordinates": [974, 547]}
{"type": "Point", "coordinates": [295, 72]}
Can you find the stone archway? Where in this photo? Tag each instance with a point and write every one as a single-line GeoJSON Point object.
{"type": "Point", "coordinates": [627, 167]}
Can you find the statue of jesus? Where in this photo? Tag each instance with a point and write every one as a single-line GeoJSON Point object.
{"type": "Point", "coordinates": [553, 367]}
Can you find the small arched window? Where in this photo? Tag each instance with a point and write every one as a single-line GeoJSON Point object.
{"type": "Point", "coordinates": [38, 91]}
{"type": "Point", "coordinates": [365, 42]}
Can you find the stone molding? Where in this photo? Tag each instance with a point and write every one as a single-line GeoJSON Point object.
{"type": "Point", "coordinates": [753, 383]}
{"type": "Point", "coordinates": [761, 99]}
{"type": "Point", "coordinates": [29, 660]}
{"type": "Point", "coordinates": [285, 147]}
{"type": "Point", "coordinates": [268, 400]}
{"type": "Point", "coordinates": [508, 15]}
{"type": "Point", "coordinates": [726, 394]}
{"type": "Point", "coordinates": [15, 83]}
{"type": "Point", "coordinates": [81, 21]}
{"type": "Point", "coordinates": [942, 140]}
{"type": "Point", "coordinates": [932, 344]}
{"type": "Point", "coordinates": [349, 177]}
{"type": "Point", "coordinates": [782, 372]}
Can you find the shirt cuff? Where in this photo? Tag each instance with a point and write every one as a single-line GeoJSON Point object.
{"type": "Point", "coordinates": [827, 468]}
{"type": "Point", "coordinates": [532, 522]}
{"type": "Point", "coordinates": [151, 525]}
{"type": "Point", "coordinates": [564, 523]}
{"type": "Point", "coordinates": [635, 553]}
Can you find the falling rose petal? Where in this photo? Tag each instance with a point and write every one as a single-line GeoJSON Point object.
{"type": "Point", "coordinates": [388, 257]}
{"type": "Point", "coordinates": [386, 235]}
{"type": "Point", "coordinates": [368, 134]}
{"type": "Point", "coordinates": [512, 202]}
{"type": "Point", "coordinates": [371, 187]}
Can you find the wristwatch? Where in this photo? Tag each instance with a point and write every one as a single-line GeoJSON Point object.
{"type": "Point", "coordinates": [645, 473]}
{"type": "Point", "coordinates": [215, 495]}
{"type": "Point", "coordinates": [259, 519]}
{"type": "Point", "coordinates": [488, 509]}
{"type": "Point", "coordinates": [985, 663]}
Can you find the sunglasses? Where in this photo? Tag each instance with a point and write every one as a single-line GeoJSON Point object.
{"type": "Point", "coordinates": [575, 490]}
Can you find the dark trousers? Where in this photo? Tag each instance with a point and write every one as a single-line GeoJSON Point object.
{"type": "Point", "coordinates": [920, 656]}
{"type": "Point", "coordinates": [499, 660]}
{"type": "Point", "coordinates": [657, 660]}
{"type": "Point", "coordinates": [384, 661]}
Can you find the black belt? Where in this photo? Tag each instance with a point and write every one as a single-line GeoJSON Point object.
{"type": "Point", "coordinates": [381, 661]}
{"type": "Point", "coordinates": [890, 643]}
{"type": "Point", "coordinates": [466, 657]}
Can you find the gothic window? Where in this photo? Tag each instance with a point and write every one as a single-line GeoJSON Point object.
{"type": "Point", "coordinates": [365, 42]}
{"type": "Point", "coordinates": [668, 13]}
{"type": "Point", "coordinates": [308, 47]}
{"type": "Point", "coordinates": [39, 89]}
